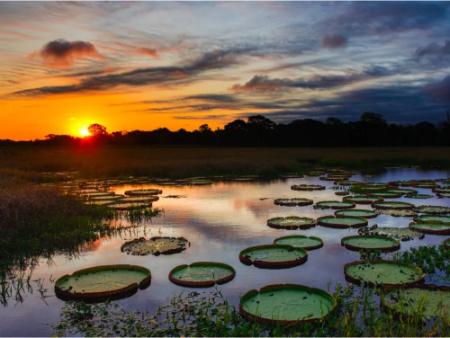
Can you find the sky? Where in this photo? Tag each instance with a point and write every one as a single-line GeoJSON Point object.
{"type": "Point", "coordinates": [146, 65]}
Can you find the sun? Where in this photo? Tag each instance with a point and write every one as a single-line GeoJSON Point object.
{"type": "Point", "coordinates": [83, 131]}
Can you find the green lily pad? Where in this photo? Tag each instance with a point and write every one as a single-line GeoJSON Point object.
{"type": "Point", "coordinates": [335, 205]}
{"type": "Point", "coordinates": [382, 243]}
{"type": "Point", "coordinates": [96, 194]}
{"type": "Point", "coordinates": [404, 191]}
{"type": "Point", "coordinates": [142, 192]}
{"type": "Point", "coordinates": [106, 198]}
{"type": "Point", "coordinates": [202, 274]}
{"type": "Point", "coordinates": [307, 243]}
{"type": "Point", "coordinates": [432, 209]}
{"type": "Point", "coordinates": [356, 213]}
{"type": "Point", "coordinates": [381, 272]}
{"type": "Point", "coordinates": [155, 246]}
{"type": "Point", "coordinates": [292, 202]}
{"type": "Point", "coordinates": [431, 227]}
{"type": "Point", "coordinates": [308, 187]}
{"type": "Point", "coordinates": [200, 182]}
{"type": "Point", "coordinates": [392, 205]}
{"type": "Point", "coordinates": [314, 173]}
{"type": "Point", "coordinates": [342, 221]}
{"type": "Point", "coordinates": [435, 218]}
{"type": "Point", "coordinates": [384, 194]}
{"type": "Point", "coordinates": [291, 222]}
{"type": "Point", "coordinates": [419, 196]}
{"type": "Point", "coordinates": [427, 300]}
{"type": "Point", "coordinates": [292, 175]}
{"type": "Point", "coordinates": [102, 282]}
{"type": "Point", "coordinates": [129, 206]}
{"type": "Point", "coordinates": [362, 199]}
{"type": "Point", "coordinates": [137, 199]}
{"type": "Point", "coordinates": [286, 304]}
{"type": "Point", "coordinates": [403, 234]}
{"type": "Point", "coordinates": [441, 190]}
{"type": "Point", "coordinates": [444, 194]}
{"type": "Point", "coordinates": [341, 193]}
{"type": "Point", "coordinates": [273, 256]}
{"type": "Point", "coordinates": [397, 213]}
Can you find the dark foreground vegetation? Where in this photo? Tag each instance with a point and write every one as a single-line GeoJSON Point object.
{"type": "Point", "coordinates": [259, 131]}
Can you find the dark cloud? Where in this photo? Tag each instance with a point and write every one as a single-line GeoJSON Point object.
{"type": "Point", "coordinates": [62, 53]}
{"type": "Point", "coordinates": [147, 76]}
{"type": "Point", "coordinates": [147, 51]}
{"type": "Point", "coordinates": [335, 41]}
{"type": "Point", "coordinates": [433, 51]}
{"type": "Point", "coordinates": [440, 90]}
{"type": "Point", "coordinates": [207, 117]}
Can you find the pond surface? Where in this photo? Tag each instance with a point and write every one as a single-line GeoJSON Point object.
{"type": "Point", "coordinates": [219, 221]}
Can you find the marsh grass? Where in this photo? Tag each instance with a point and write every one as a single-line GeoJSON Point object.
{"type": "Point", "coordinates": [210, 315]}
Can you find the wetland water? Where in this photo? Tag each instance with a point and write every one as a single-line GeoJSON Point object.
{"type": "Point", "coordinates": [219, 221]}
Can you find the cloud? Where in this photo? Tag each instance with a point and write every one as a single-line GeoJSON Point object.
{"type": "Point", "coordinates": [440, 90]}
{"type": "Point", "coordinates": [147, 51]}
{"type": "Point", "coordinates": [61, 53]}
{"type": "Point", "coordinates": [433, 50]}
{"type": "Point", "coordinates": [203, 117]}
{"type": "Point", "coordinates": [335, 41]}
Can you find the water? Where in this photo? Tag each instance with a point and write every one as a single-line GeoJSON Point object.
{"type": "Point", "coordinates": [219, 221]}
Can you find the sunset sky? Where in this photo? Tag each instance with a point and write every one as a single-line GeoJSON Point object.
{"type": "Point", "coordinates": [145, 65]}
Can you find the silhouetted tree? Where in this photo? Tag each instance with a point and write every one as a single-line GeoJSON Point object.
{"type": "Point", "coordinates": [204, 128]}
{"type": "Point", "coordinates": [97, 130]}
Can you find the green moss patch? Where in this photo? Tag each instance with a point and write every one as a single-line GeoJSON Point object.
{"type": "Point", "coordinates": [286, 304]}
{"type": "Point", "coordinates": [403, 234]}
{"type": "Point", "coordinates": [308, 187]}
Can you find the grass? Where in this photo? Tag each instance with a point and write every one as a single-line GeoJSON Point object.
{"type": "Point", "coordinates": [188, 162]}
{"type": "Point", "coordinates": [358, 314]}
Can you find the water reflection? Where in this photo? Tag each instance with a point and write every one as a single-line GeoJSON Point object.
{"type": "Point", "coordinates": [219, 221]}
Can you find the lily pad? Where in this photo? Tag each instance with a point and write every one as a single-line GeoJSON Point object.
{"type": "Point", "coordinates": [200, 182]}
{"type": "Point", "coordinates": [396, 212]}
{"type": "Point", "coordinates": [143, 192]}
{"type": "Point", "coordinates": [381, 243]}
{"type": "Point", "coordinates": [335, 205]}
{"type": "Point", "coordinates": [419, 196]}
{"type": "Point", "coordinates": [273, 256]}
{"type": "Point", "coordinates": [428, 300]}
{"type": "Point", "coordinates": [435, 218]}
{"type": "Point", "coordinates": [286, 304]}
{"type": "Point", "coordinates": [307, 187]}
{"type": "Point", "coordinates": [202, 274]}
{"type": "Point", "coordinates": [136, 199]}
{"type": "Point", "coordinates": [444, 194]}
{"type": "Point", "coordinates": [403, 234]}
{"type": "Point", "coordinates": [362, 199]}
{"type": "Point", "coordinates": [381, 272]}
{"type": "Point", "coordinates": [432, 209]}
{"type": "Point", "coordinates": [343, 222]}
{"type": "Point", "coordinates": [106, 198]}
{"type": "Point", "coordinates": [385, 194]}
{"type": "Point", "coordinates": [356, 213]}
{"type": "Point", "coordinates": [341, 193]}
{"type": "Point", "coordinates": [442, 190]}
{"type": "Point", "coordinates": [291, 222]}
{"type": "Point", "coordinates": [431, 227]}
{"type": "Point", "coordinates": [404, 191]}
{"type": "Point", "coordinates": [307, 243]}
{"type": "Point", "coordinates": [292, 202]}
{"type": "Point", "coordinates": [96, 194]}
{"type": "Point", "coordinates": [129, 206]}
{"type": "Point", "coordinates": [155, 246]}
{"type": "Point", "coordinates": [103, 282]}
{"type": "Point", "coordinates": [392, 205]}
{"type": "Point", "coordinates": [292, 175]}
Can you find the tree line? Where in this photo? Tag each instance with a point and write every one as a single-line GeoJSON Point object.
{"type": "Point", "coordinates": [258, 131]}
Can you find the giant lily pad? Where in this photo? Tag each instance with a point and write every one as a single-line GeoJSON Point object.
{"type": "Point", "coordinates": [307, 187]}
{"type": "Point", "coordinates": [273, 256]}
{"type": "Point", "coordinates": [381, 272]}
{"type": "Point", "coordinates": [392, 205]}
{"type": "Point", "coordinates": [356, 213]}
{"type": "Point", "coordinates": [434, 218]}
{"type": "Point", "coordinates": [106, 198]}
{"type": "Point", "coordinates": [202, 274]}
{"type": "Point", "coordinates": [129, 206]}
{"type": "Point", "coordinates": [143, 192]}
{"type": "Point", "coordinates": [427, 300]}
{"type": "Point", "coordinates": [342, 221]}
{"type": "Point", "coordinates": [432, 209]}
{"type": "Point", "coordinates": [396, 212]}
{"type": "Point", "coordinates": [419, 196]}
{"type": "Point", "coordinates": [155, 246]}
{"type": "Point", "coordinates": [292, 202]}
{"type": "Point", "coordinates": [385, 194]}
{"type": "Point", "coordinates": [404, 191]}
{"type": "Point", "coordinates": [200, 182]}
{"type": "Point", "coordinates": [335, 205]}
{"type": "Point", "coordinates": [291, 222]}
{"type": "Point", "coordinates": [431, 227]}
{"type": "Point", "coordinates": [96, 194]}
{"type": "Point", "coordinates": [440, 190]}
{"type": "Point", "coordinates": [362, 199]}
{"type": "Point", "coordinates": [403, 234]}
{"type": "Point", "coordinates": [286, 304]}
{"type": "Point", "coordinates": [382, 243]}
{"type": "Point", "coordinates": [444, 194]}
{"type": "Point", "coordinates": [103, 282]}
{"type": "Point", "coordinates": [137, 199]}
{"type": "Point", "coordinates": [307, 243]}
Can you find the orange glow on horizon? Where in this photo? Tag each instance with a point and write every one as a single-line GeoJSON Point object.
{"type": "Point", "coordinates": [83, 131]}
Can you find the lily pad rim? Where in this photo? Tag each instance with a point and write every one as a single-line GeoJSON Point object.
{"type": "Point", "coordinates": [273, 265]}
{"type": "Point", "coordinates": [202, 283]}
{"type": "Point", "coordinates": [312, 247]}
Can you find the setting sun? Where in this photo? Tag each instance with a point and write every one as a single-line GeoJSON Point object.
{"type": "Point", "coordinates": [83, 131]}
